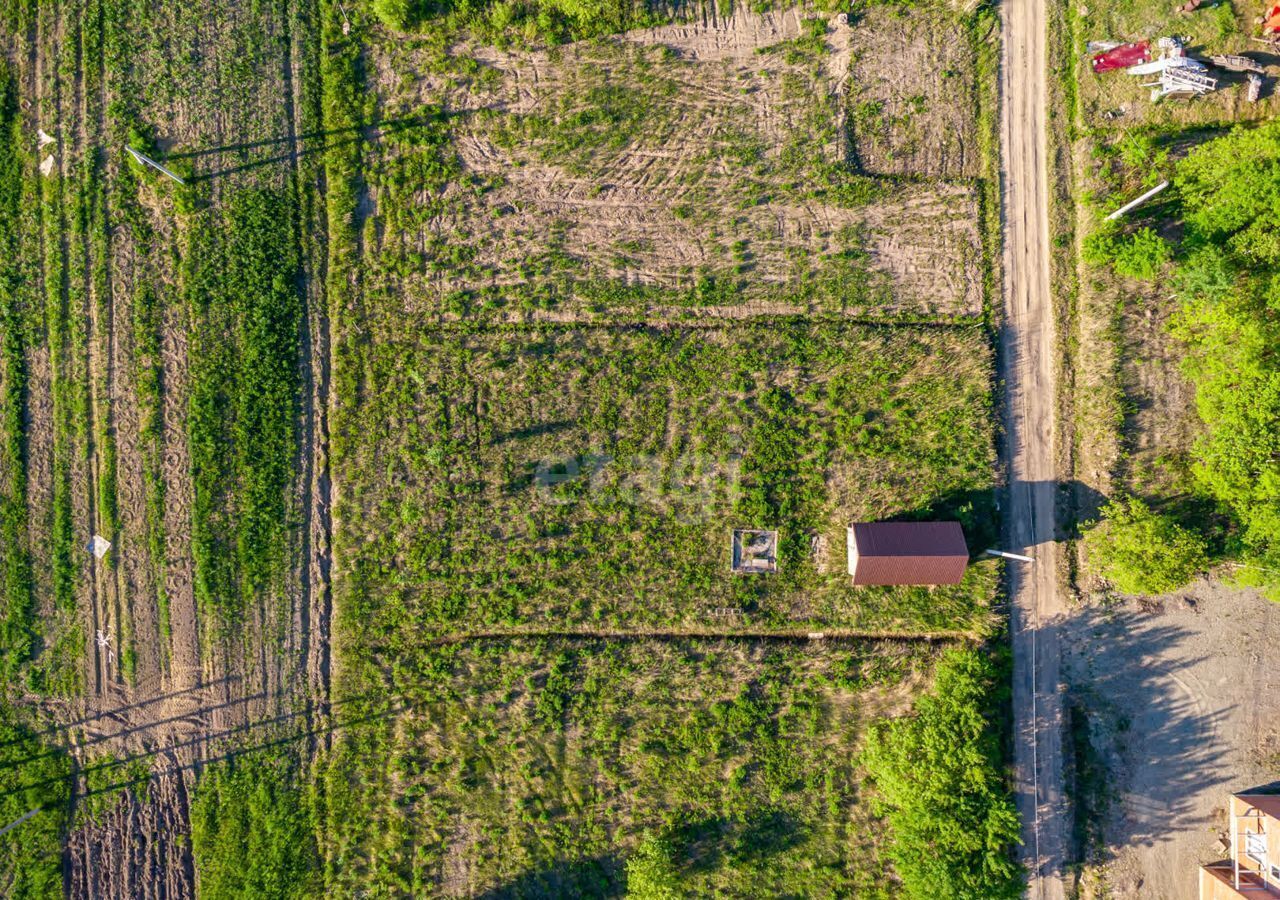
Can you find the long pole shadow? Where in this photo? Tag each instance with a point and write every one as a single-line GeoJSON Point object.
{"type": "Point", "coordinates": [385, 126]}
{"type": "Point", "coordinates": [270, 161]}
{"type": "Point", "coordinates": [119, 710]}
{"type": "Point", "coordinates": [179, 768]}
{"type": "Point", "coordinates": [395, 706]}
{"type": "Point", "coordinates": [134, 729]}
{"type": "Point", "coordinates": [354, 133]}
{"type": "Point", "coordinates": [236, 753]}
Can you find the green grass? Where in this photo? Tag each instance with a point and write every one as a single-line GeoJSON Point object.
{"type": "Point", "coordinates": [504, 21]}
{"type": "Point", "coordinates": [536, 769]}
{"type": "Point", "coordinates": [33, 775]}
{"type": "Point", "coordinates": [243, 284]}
{"type": "Point", "coordinates": [17, 621]}
{"type": "Point", "coordinates": [252, 830]}
{"type": "Point", "coordinates": [552, 768]}
{"type": "Point", "coordinates": [590, 477]}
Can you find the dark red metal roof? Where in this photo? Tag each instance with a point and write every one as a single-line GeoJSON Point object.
{"type": "Point", "coordinates": [907, 553]}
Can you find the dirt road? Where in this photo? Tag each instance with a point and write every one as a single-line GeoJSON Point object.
{"type": "Point", "coordinates": [1028, 361]}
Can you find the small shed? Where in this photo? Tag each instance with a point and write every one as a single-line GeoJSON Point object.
{"type": "Point", "coordinates": [907, 553]}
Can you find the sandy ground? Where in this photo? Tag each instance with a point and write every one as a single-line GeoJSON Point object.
{"type": "Point", "coordinates": [620, 212]}
{"type": "Point", "coordinates": [1029, 360]}
{"type": "Point", "coordinates": [908, 119]}
{"type": "Point", "coordinates": [1182, 709]}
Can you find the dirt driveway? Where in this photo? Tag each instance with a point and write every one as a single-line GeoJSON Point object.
{"type": "Point", "coordinates": [1182, 708]}
{"type": "Point", "coordinates": [1028, 358]}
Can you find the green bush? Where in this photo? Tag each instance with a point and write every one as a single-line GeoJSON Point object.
{"type": "Point", "coordinates": [1228, 318]}
{"type": "Point", "coordinates": [1141, 255]}
{"type": "Point", "coordinates": [651, 871]}
{"type": "Point", "coordinates": [939, 781]}
{"type": "Point", "coordinates": [1230, 189]}
{"type": "Point", "coordinates": [402, 15]}
{"type": "Point", "coordinates": [1143, 552]}
{"type": "Point", "coordinates": [1099, 248]}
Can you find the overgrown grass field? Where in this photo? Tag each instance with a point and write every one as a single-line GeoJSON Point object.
{"type": "Point", "coordinates": [571, 477]}
{"type": "Point", "coordinates": [431, 400]}
{"type": "Point", "coordinates": [539, 768]}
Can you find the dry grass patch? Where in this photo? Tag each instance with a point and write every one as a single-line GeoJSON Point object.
{"type": "Point", "coordinates": [913, 93]}
{"type": "Point", "coordinates": [693, 169]}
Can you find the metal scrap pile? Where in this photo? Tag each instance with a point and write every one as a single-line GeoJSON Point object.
{"type": "Point", "coordinates": [1180, 75]}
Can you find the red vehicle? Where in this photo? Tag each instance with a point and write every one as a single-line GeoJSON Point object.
{"type": "Point", "coordinates": [1122, 57]}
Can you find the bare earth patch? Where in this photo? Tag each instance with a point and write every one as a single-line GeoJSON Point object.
{"type": "Point", "coordinates": [671, 159]}
{"type": "Point", "coordinates": [1182, 705]}
{"type": "Point", "coordinates": [912, 95]}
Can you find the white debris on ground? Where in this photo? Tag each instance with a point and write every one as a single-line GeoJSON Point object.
{"type": "Point", "coordinates": [46, 167]}
{"type": "Point", "coordinates": [99, 546]}
{"type": "Point", "coordinates": [44, 137]}
{"type": "Point", "coordinates": [1180, 75]}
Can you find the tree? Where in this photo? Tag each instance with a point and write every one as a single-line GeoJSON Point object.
{"type": "Point", "coordinates": [651, 871]}
{"type": "Point", "coordinates": [1141, 255]}
{"type": "Point", "coordinates": [1230, 189]}
{"type": "Point", "coordinates": [1230, 297]}
{"type": "Point", "coordinates": [1141, 551]}
{"type": "Point", "coordinates": [939, 782]}
{"type": "Point", "coordinates": [401, 15]}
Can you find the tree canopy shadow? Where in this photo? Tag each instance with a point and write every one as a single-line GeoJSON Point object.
{"type": "Point", "coordinates": [596, 877]}
{"type": "Point", "coordinates": [702, 845]}
{"type": "Point", "coordinates": [1150, 745]}
{"type": "Point", "coordinates": [979, 511]}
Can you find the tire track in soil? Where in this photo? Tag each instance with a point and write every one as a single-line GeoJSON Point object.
{"type": "Point", "coordinates": [136, 847]}
{"type": "Point", "coordinates": [134, 583]}
{"type": "Point", "coordinates": [102, 593]}
{"type": "Point", "coordinates": [136, 578]}
{"type": "Point", "coordinates": [311, 619]}
{"type": "Point", "coordinates": [1028, 360]}
{"type": "Point", "coordinates": [179, 579]}
{"type": "Point", "coordinates": [39, 423]}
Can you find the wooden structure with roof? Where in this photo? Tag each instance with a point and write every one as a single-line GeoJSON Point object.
{"type": "Point", "coordinates": [921, 553]}
{"type": "Point", "coordinates": [1254, 843]}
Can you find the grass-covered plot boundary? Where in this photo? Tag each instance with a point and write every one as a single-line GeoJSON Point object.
{"type": "Point", "coordinates": [553, 477]}
{"type": "Point", "coordinates": [539, 768]}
